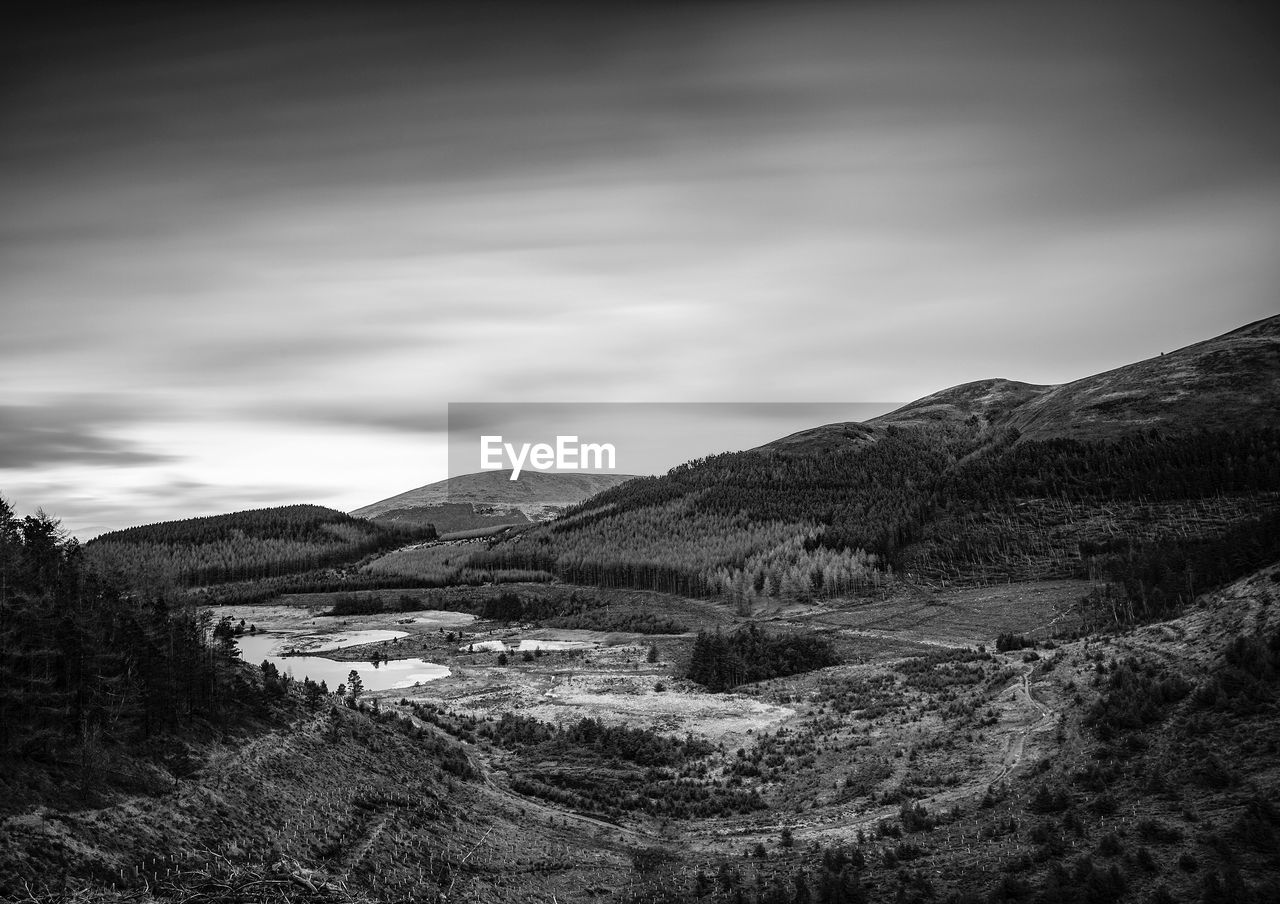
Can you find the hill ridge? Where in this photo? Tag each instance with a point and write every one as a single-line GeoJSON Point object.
{"type": "Point", "coordinates": [1227, 381]}
{"type": "Point", "coordinates": [532, 493]}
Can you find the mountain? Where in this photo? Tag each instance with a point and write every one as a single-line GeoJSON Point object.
{"type": "Point", "coordinates": [489, 499]}
{"type": "Point", "coordinates": [1224, 383]}
{"type": "Point", "coordinates": [1007, 643]}
{"type": "Point", "coordinates": [987, 481]}
{"type": "Point", "coordinates": [1228, 382]}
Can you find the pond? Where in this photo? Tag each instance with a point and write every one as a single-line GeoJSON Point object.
{"type": "Point", "coordinates": [319, 644]}
{"type": "Point", "coordinates": [498, 646]}
{"type": "Point", "coordinates": [394, 673]}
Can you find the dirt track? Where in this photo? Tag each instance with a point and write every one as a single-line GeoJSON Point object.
{"type": "Point", "coordinates": [843, 824]}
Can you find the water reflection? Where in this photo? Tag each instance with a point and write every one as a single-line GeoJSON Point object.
{"type": "Point", "coordinates": [393, 673]}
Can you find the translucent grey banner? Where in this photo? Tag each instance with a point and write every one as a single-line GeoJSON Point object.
{"type": "Point", "coordinates": [635, 438]}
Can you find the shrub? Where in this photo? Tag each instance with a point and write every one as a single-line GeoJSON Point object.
{"type": "Point", "coordinates": [1137, 695]}
{"type": "Point", "coordinates": [1157, 831]}
{"type": "Point", "coordinates": [1007, 642]}
{"type": "Point", "coordinates": [1011, 888]}
{"type": "Point", "coordinates": [1049, 800]}
{"type": "Point", "coordinates": [1146, 861]}
{"type": "Point", "coordinates": [1110, 845]}
{"type": "Point", "coordinates": [915, 818]}
{"type": "Point", "coordinates": [1256, 826]}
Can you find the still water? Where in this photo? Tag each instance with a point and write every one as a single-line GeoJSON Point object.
{"type": "Point", "coordinates": [396, 673]}
{"type": "Point", "coordinates": [498, 646]}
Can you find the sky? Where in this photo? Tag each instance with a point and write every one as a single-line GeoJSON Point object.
{"type": "Point", "coordinates": [633, 437]}
{"type": "Point", "coordinates": [249, 256]}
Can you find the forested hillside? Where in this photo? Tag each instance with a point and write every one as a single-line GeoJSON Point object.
{"type": "Point", "coordinates": [748, 522]}
{"type": "Point", "coordinates": [1164, 516]}
{"type": "Point", "coordinates": [1147, 505]}
{"type": "Point", "coordinates": [132, 743]}
{"type": "Point", "coordinates": [261, 543]}
{"type": "Point", "coordinates": [1112, 477]}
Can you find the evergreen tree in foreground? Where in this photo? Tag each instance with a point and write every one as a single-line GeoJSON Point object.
{"type": "Point", "coordinates": [87, 661]}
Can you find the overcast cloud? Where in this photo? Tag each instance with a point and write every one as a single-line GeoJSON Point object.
{"type": "Point", "coordinates": [247, 257]}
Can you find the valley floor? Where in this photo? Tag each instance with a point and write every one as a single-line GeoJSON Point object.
{"type": "Point", "coordinates": [934, 763]}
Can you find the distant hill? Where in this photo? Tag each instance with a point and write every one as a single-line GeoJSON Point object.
{"type": "Point", "coordinates": [1228, 382]}
{"type": "Point", "coordinates": [990, 402]}
{"type": "Point", "coordinates": [452, 518]}
{"type": "Point", "coordinates": [827, 438]}
{"type": "Point", "coordinates": [489, 499]}
{"type": "Point", "coordinates": [259, 543]}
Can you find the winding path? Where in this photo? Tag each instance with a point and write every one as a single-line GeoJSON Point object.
{"type": "Point", "coordinates": [843, 824]}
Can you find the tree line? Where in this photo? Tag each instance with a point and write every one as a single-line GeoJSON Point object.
{"type": "Point", "coordinates": [86, 660]}
{"type": "Point", "coordinates": [248, 545]}
{"type": "Point", "coordinates": [722, 661]}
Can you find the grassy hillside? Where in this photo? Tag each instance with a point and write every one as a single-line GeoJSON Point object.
{"type": "Point", "coordinates": [988, 402]}
{"type": "Point", "coordinates": [1219, 384]}
{"type": "Point", "coordinates": [1224, 383]}
{"type": "Point", "coordinates": [488, 500]}
{"type": "Point", "coordinates": [532, 488]}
